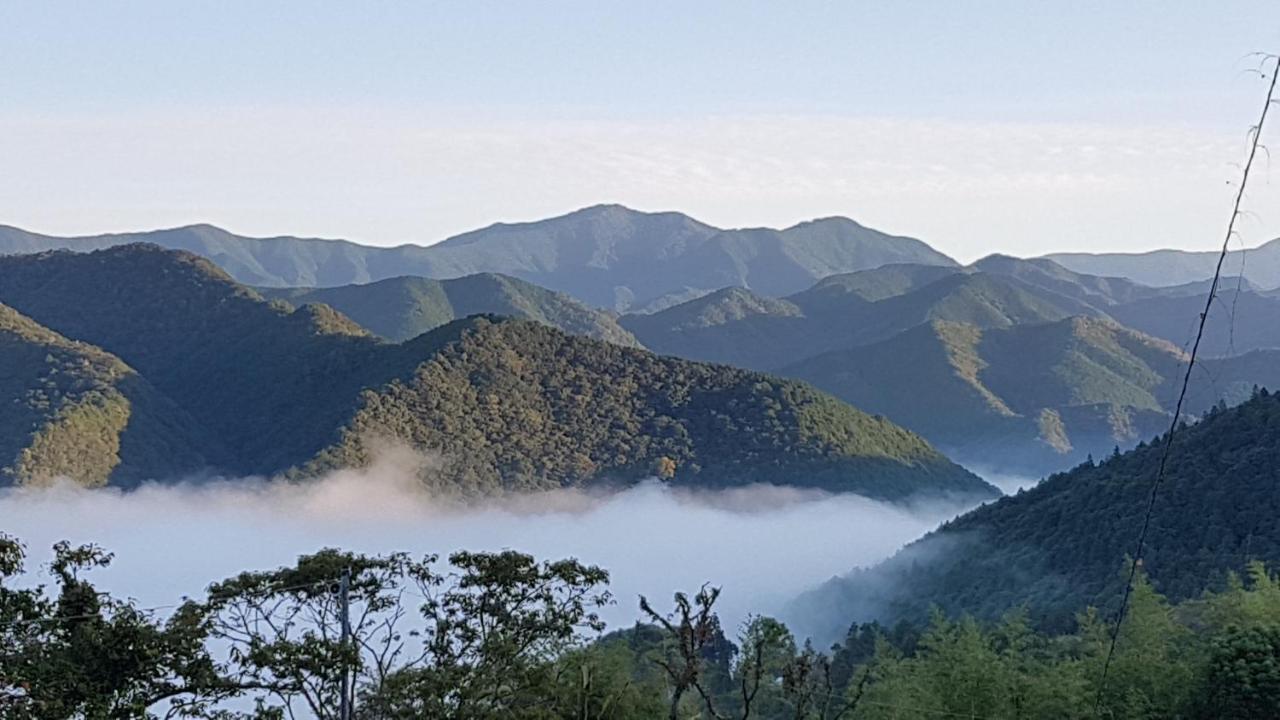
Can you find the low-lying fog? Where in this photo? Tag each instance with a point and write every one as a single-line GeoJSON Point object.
{"type": "Point", "coordinates": [762, 544]}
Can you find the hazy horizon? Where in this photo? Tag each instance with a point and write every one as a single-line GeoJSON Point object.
{"type": "Point", "coordinates": [1097, 128]}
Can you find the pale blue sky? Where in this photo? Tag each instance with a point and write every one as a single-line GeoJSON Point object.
{"type": "Point", "coordinates": [1018, 126]}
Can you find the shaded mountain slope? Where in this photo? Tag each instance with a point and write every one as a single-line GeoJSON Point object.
{"type": "Point", "coordinates": [733, 326]}
{"type": "Point", "coordinates": [1028, 397]}
{"type": "Point", "coordinates": [872, 285]}
{"type": "Point", "coordinates": [1060, 546]}
{"type": "Point", "coordinates": [1238, 321]}
{"type": "Point", "coordinates": [607, 255]}
{"type": "Point", "coordinates": [741, 328]}
{"type": "Point", "coordinates": [268, 382]}
{"type": "Point", "coordinates": [510, 405]}
{"type": "Point", "coordinates": [401, 308]}
{"type": "Point", "coordinates": [1099, 291]}
{"type": "Point", "coordinates": [72, 410]}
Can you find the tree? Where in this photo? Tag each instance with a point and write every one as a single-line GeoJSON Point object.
{"type": "Point", "coordinates": [82, 653]}
{"type": "Point", "coordinates": [498, 636]}
{"type": "Point", "coordinates": [1243, 677]}
{"type": "Point", "coordinates": [692, 630]}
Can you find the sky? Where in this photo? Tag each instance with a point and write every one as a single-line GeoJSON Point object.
{"type": "Point", "coordinates": [1019, 127]}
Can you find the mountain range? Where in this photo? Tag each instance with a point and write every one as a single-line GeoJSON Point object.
{"type": "Point", "coordinates": [1056, 548]}
{"type": "Point", "coordinates": [137, 344]}
{"type": "Point", "coordinates": [1038, 365]}
{"type": "Point", "coordinates": [1260, 265]}
{"type": "Point", "coordinates": [608, 256]}
{"type": "Point", "coordinates": [1019, 366]}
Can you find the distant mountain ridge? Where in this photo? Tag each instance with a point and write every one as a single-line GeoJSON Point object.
{"type": "Point", "coordinates": [607, 255]}
{"type": "Point", "coordinates": [942, 350]}
{"type": "Point", "coordinates": [1260, 265]}
{"type": "Point", "coordinates": [507, 405]}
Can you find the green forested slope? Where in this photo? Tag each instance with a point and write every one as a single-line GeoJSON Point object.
{"type": "Point", "coordinates": [1030, 396]}
{"type": "Point", "coordinates": [1060, 546]}
{"type": "Point", "coordinates": [519, 405]}
{"type": "Point", "coordinates": [405, 307]}
{"type": "Point", "coordinates": [270, 384]}
{"type": "Point", "coordinates": [68, 409]}
{"type": "Point", "coordinates": [509, 404]}
{"type": "Point", "coordinates": [741, 328]}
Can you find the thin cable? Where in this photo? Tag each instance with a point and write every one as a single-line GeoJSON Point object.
{"type": "Point", "coordinates": [1186, 381]}
{"type": "Point", "coordinates": [145, 610]}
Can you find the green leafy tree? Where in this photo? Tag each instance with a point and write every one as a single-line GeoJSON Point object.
{"type": "Point", "coordinates": [80, 653]}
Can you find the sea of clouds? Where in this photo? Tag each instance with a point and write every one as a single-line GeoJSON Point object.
{"type": "Point", "coordinates": [761, 544]}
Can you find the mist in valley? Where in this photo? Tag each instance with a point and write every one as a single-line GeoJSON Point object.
{"type": "Point", "coordinates": [762, 544]}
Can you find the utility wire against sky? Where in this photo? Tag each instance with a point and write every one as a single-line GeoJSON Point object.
{"type": "Point", "coordinates": [1255, 142]}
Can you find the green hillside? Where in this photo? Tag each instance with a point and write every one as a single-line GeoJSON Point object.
{"type": "Point", "coordinates": [608, 256]}
{"type": "Point", "coordinates": [401, 308]}
{"type": "Point", "coordinates": [1060, 546]}
{"type": "Point", "coordinates": [71, 410]}
{"type": "Point", "coordinates": [1028, 398]}
{"type": "Point", "coordinates": [738, 327]}
{"type": "Point", "coordinates": [508, 405]}
{"type": "Point", "coordinates": [269, 383]}
{"type": "Point", "coordinates": [517, 405]}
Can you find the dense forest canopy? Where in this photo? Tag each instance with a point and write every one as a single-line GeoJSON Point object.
{"type": "Point", "coordinates": [1053, 549]}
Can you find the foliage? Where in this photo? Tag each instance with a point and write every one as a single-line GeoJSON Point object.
{"type": "Point", "coordinates": [500, 635]}
{"type": "Point", "coordinates": [1053, 548]}
{"type": "Point", "coordinates": [80, 653]}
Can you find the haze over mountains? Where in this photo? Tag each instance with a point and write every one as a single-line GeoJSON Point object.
{"type": "Point", "coordinates": [1038, 365]}
{"type": "Point", "coordinates": [507, 405]}
{"type": "Point", "coordinates": [1019, 366]}
{"type": "Point", "coordinates": [607, 255]}
{"type": "Point", "coordinates": [1260, 265]}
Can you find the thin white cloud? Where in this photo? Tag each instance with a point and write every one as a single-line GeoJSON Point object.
{"type": "Point", "coordinates": [388, 177]}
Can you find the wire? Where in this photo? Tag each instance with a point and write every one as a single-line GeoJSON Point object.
{"type": "Point", "coordinates": [154, 608]}
{"type": "Point", "coordinates": [1186, 381]}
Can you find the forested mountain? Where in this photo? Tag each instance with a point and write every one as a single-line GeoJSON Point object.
{"type": "Point", "coordinates": [1028, 397]}
{"type": "Point", "coordinates": [1260, 265]}
{"type": "Point", "coordinates": [738, 327]}
{"type": "Point", "coordinates": [1242, 317]}
{"type": "Point", "coordinates": [71, 409]}
{"type": "Point", "coordinates": [401, 308]}
{"type": "Point", "coordinates": [1021, 366]}
{"type": "Point", "coordinates": [1060, 546]}
{"type": "Point", "coordinates": [509, 404]}
{"type": "Point", "coordinates": [607, 255]}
